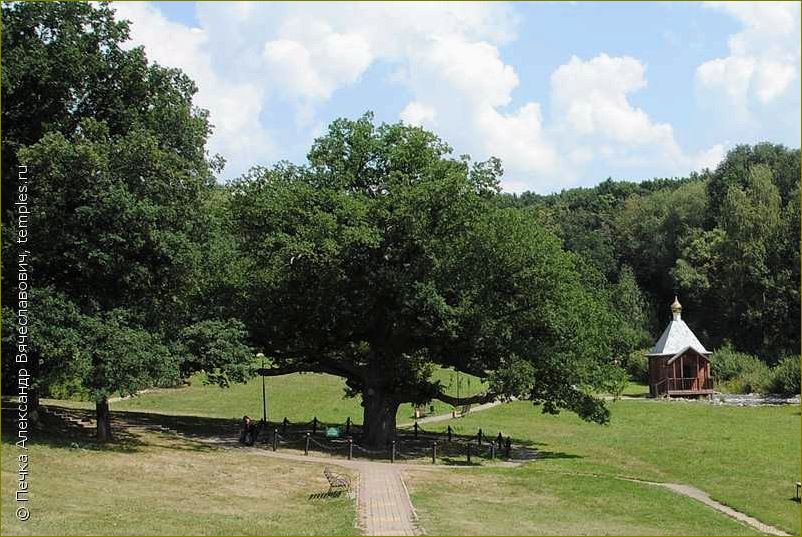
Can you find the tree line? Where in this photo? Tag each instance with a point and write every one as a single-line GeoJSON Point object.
{"type": "Point", "coordinates": [725, 240]}
{"type": "Point", "coordinates": [378, 259]}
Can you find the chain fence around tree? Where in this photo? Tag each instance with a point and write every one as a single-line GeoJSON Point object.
{"type": "Point", "coordinates": [413, 444]}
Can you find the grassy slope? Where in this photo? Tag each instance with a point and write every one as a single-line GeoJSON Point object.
{"type": "Point", "coordinates": [299, 397]}
{"type": "Point", "coordinates": [164, 486]}
{"type": "Point", "coordinates": [748, 458]}
{"type": "Point", "coordinates": [527, 501]}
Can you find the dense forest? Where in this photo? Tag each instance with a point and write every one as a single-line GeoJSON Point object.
{"type": "Point", "coordinates": [378, 259]}
{"type": "Point", "coordinates": [726, 241]}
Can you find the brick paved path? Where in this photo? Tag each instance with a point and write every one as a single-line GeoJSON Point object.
{"type": "Point", "coordinates": [384, 504]}
{"type": "Point", "coordinates": [382, 498]}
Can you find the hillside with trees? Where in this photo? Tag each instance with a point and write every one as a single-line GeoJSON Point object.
{"type": "Point", "coordinates": [726, 241]}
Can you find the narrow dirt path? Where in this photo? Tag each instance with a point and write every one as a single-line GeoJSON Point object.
{"type": "Point", "coordinates": [702, 496]}
{"type": "Point", "coordinates": [446, 417]}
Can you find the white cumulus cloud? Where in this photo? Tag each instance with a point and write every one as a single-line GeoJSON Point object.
{"type": "Point", "coordinates": [234, 108]}
{"type": "Point", "coordinates": [763, 59]}
{"type": "Point", "coordinates": [594, 119]}
{"type": "Point", "coordinates": [418, 114]}
{"type": "Point", "coordinates": [251, 58]}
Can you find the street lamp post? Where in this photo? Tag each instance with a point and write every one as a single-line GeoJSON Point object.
{"type": "Point", "coordinates": [264, 391]}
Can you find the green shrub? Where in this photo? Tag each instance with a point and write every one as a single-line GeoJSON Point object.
{"type": "Point", "coordinates": [728, 364]}
{"type": "Point", "coordinates": [738, 372]}
{"type": "Point", "coordinates": [67, 389]}
{"type": "Point", "coordinates": [636, 364]}
{"type": "Point", "coordinates": [785, 376]}
{"type": "Point", "coordinates": [756, 379]}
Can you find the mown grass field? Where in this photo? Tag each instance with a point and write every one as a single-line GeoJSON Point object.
{"type": "Point", "coordinates": [528, 501]}
{"type": "Point", "coordinates": [149, 483]}
{"type": "Point", "coordinates": [748, 458]}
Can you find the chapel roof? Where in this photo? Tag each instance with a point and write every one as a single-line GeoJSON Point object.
{"type": "Point", "coordinates": [677, 336]}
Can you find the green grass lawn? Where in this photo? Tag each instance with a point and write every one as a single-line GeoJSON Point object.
{"type": "Point", "coordinates": [636, 389]}
{"type": "Point", "coordinates": [748, 458]}
{"type": "Point", "coordinates": [149, 483]}
{"type": "Point", "coordinates": [528, 501]}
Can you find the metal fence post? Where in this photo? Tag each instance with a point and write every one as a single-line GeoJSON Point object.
{"type": "Point", "coordinates": [469, 453]}
{"type": "Point", "coordinates": [416, 430]}
{"type": "Point", "coordinates": [434, 452]}
{"type": "Point", "coordinates": [350, 448]}
{"type": "Point", "coordinates": [492, 451]}
{"type": "Point", "coordinates": [392, 451]}
{"type": "Point", "coordinates": [314, 425]}
{"type": "Point", "coordinates": [275, 439]}
{"type": "Point", "coordinates": [450, 431]}
{"type": "Point", "coordinates": [306, 447]}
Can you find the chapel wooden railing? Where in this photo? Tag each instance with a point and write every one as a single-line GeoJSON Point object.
{"type": "Point", "coordinates": [690, 384]}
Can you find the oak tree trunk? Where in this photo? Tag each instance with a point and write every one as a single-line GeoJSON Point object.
{"type": "Point", "coordinates": [379, 418]}
{"type": "Point", "coordinates": [103, 420]}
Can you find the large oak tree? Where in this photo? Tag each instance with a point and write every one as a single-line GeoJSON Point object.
{"type": "Point", "coordinates": [384, 256]}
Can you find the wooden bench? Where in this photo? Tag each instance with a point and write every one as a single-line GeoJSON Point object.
{"type": "Point", "coordinates": [337, 482]}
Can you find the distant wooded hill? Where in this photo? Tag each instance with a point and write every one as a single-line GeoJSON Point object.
{"type": "Point", "coordinates": [726, 241]}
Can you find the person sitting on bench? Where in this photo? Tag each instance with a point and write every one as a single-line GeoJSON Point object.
{"type": "Point", "coordinates": [248, 432]}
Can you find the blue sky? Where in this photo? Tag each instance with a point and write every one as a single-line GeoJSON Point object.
{"type": "Point", "coordinates": [567, 94]}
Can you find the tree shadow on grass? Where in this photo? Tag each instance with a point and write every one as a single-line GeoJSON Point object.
{"type": "Point", "coordinates": [58, 432]}
{"type": "Point", "coordinates": [453, 461]}
{"type": "Point", "coordinates": [58, 428]}
{"type": "Point", "coordinates": [207, 434]}
{"type": "Point", "coordinates": [543, 455]}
